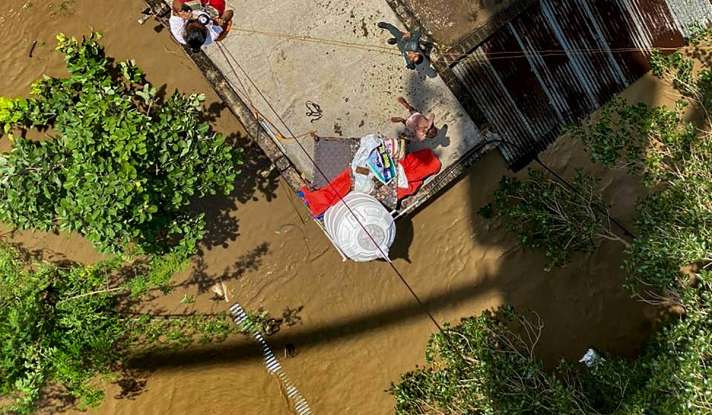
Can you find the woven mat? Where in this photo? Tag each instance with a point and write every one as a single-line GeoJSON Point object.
{"type": "Point", "coordinates": [333, 155]}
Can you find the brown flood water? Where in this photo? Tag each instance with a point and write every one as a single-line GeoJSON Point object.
{"type": "Point", "coordinates": [359, 328]}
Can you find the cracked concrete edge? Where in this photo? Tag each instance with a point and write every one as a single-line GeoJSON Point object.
{"type": "Point", "coordinates": [237, 106]}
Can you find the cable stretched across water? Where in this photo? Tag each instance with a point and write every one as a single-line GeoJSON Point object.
{"type": "Point", "coordinates": [394, 268]}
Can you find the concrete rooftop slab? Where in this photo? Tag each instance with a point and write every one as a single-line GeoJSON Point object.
{"type": "Point", "coordinates": [332, 53]}
{"type": "Point", "coordinates": [451, 21]}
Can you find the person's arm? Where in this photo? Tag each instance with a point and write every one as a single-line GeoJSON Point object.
{"type": "Point", "coordinates": [395, 32]}
{"type": "Point", "coordinates": [178, 6]}
{"type": "Point", "coordinates": [406, 104]}
{"type": "Point", "coordinates": [178, 9]}
{"type": "Point", "coordinates": [225, 20]}
{"type": "Point", "coordinates": [177, 25]}
{"type": "Point", "coordinates": [415, 36]}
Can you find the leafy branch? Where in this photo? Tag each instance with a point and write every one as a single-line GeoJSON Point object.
{"type": "Point", "coordinates": [548, 215]}
{"type": "Point", "coordinates": [125, 164]}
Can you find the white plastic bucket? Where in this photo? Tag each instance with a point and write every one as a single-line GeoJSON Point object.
{"type": "Point", "coordinates": [349, 235]}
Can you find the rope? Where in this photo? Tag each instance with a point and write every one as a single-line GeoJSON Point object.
{"type": "Point", "coordinates": [258, 115]}
{"type": "Point", "coordinates": [271, 363]}
{"type": "Point", "coordinates": [395, 269]}
{"type": "Point", "coordinates": [495, 55]}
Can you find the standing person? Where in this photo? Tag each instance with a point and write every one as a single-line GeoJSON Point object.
{"type": "Point", "coordinates": [417, 125]}
{"type": "Point", "coordinates": [199, 23]}
{"type": "Point", "coordinates": [409, 44]}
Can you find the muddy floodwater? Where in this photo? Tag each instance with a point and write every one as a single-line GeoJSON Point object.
{"type": "Point", "coordinates": [355, 327]}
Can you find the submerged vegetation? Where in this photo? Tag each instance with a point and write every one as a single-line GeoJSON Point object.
{"type": "Point", "coordinates": [62, 326]}
{"type": "Point", "coordinates": [120, 164]}
{"type": "Point", "coordinates": [551, 216]}
{"type": "Point", "coordinates": [487, 364]}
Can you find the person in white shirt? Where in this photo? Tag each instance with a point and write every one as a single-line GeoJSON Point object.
{"type": "Point", "coordinates": [196, 28]}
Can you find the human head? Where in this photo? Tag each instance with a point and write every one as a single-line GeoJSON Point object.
{"type": "Point", "coordinates": [432, 132]}
{"type": "Point", "coordinates": [195, 35]}
{"type": "Point", "coordinates": [421, 126]}
{"type": "Point", "coordinates": [415, 57]}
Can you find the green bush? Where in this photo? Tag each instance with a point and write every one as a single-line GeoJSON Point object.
{"type": "Point", "coordinates": [484, 366]}
{"type": "Point", "coordinates": [488, 366]}
{"type": "Point", "coordinates": [62, 326]}
{"type": "Point", "coordinates": [548, 215]}
{"type": "Point", "coordinates": [120, 164]}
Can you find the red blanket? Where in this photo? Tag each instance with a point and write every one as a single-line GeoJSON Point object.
{"type": "Point", "coordinates": [418, 166]}
{"type": "Point", "coordinates": [319, 200]}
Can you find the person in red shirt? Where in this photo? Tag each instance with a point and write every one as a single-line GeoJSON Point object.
{"type": "Point", "coordinates": [215, 8]}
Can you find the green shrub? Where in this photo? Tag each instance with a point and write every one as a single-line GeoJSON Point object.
{"type": "Point", "coordinates": [62, 326]}
{"type": "Point", "coordinates": [484, 366]}
{"type": "Point", "coordinates": [548, 215]}
{"type": "Point", "coordinates": [488, 366]}
{"type": "Point", "coordinates": [120, 164]}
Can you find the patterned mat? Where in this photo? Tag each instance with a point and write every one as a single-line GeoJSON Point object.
{"type": "Point", "coordinates": [333, 155]}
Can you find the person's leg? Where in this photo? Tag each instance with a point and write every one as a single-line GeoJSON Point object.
{"type": "Point", "coordinates": [406, 105]}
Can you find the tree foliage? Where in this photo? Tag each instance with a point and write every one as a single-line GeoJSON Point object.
{"type": "Point", "coordinates": [549, 215]}
{"type": "Point", "coordinates": [487, 365]}
{"type": "Point", "coordinates": [120, 164]}
{"type": "Point", "coordinates": [674, 158]}
{"type": "Point", "coordinates": [484, 366]}
{"type": "Point", "coordinates": [63, 326]}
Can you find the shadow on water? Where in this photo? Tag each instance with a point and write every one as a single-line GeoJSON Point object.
{"type": "Point", "coordinates": [201, 279]}
{"type": "Point", "coordinates": [255, 178]}
{"type": "Point", "coordinates": [583, 304]}
{"type": "Point", "coordinates": [404, 238]}
{"type": "Point", "coordinates": [305, 336]}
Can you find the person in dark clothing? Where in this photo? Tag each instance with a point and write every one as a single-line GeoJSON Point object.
{"type": "Point", "coordinates": [409, 43]}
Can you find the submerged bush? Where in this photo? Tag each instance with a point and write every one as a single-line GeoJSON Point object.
{"type": "Point", "coordinates": [487, 366]}
{"type": "Point", "coordinates": [548, 215]}
{"type": "Point", "coordinates": [62, 326]}
{"type": "Point", "coordinates": [484, 366]}
{"type": "Point", "coordinates": [120, 164]}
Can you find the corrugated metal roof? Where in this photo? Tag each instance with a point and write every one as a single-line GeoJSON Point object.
{"type": "Point", "coordinates": [562, 59]}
